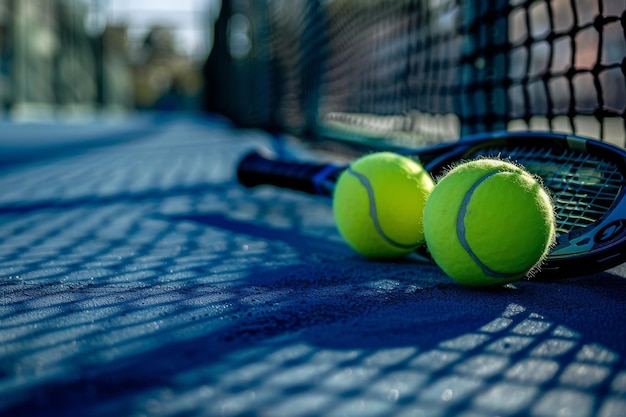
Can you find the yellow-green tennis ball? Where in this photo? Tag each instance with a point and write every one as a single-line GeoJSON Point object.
{"type": "Point", "coordinates": [488, 222]}
{"type": "Point", "coordinates": [378, 204]}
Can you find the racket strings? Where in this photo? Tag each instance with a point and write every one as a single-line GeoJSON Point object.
{"type": "Point", "coordinates": [583, 186]}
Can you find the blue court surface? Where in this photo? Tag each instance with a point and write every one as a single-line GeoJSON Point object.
{"type": "Point", "coordinates": [138, 278]}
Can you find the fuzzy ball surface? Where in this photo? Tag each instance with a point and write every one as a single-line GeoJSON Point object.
{"type": "Point", "coordinates": [378, 204]}
{"type": "Point", "coordinates": [489, 222]}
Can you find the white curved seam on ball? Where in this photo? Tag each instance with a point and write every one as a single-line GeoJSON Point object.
{"type": "Point", "coordinates": [374, 214]}
{"type": "Point", "coordinates": [460, 230]}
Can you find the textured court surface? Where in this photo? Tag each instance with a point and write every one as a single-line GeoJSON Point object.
{"type": "Point", "coordinates": [137, 278]}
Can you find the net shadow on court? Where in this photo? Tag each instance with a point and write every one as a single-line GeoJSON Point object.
{"type": "Point", "coordinates": [216, 300]}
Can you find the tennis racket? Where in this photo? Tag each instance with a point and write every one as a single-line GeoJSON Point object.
{"type": "Point", "coordinates": [587, 180]}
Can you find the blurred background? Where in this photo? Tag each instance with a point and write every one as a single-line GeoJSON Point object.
{"type": "Point", "coordinates": [71, 58]}
{"type": "Point", "coordinates": [404, 70]}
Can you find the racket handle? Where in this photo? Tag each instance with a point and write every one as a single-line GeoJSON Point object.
{"type": "Point", "coordinates": [255, 169]}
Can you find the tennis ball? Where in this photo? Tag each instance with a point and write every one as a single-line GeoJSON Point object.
{"type": "Point", "coordinates": [488, 222]}
{"type": "Point", "coordinates": [378, 204]}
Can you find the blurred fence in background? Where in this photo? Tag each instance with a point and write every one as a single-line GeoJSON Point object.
{"type": "Point", "coordinates": [63, 58]}
{"type": "Point", "coordinates": [421, 70]}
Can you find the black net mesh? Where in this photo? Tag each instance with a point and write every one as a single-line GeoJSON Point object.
{"type": "Point", "coordinates": [422, 71]}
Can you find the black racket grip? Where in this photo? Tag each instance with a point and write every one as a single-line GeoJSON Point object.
{"type": "Point", "coordinates": [319, 179]}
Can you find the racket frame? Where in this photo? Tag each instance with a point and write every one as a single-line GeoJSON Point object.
{"type": "Point", "coordinates": [581, 251]}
